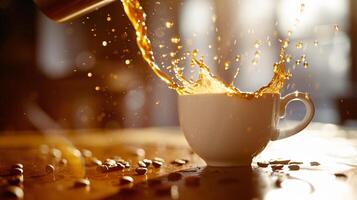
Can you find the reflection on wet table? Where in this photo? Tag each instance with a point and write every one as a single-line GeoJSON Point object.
{"type": "Point", "coordinates": [158, 164]}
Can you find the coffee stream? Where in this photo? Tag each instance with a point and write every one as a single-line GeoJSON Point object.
{"type": "Point", "coordinates": [206, 83]}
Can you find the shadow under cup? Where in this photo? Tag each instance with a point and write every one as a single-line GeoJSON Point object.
{"type": "Point", "coordinates": [228, 130]}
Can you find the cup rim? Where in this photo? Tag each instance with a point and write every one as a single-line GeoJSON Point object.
{"type": "Point", "coordinates": [225, 94]}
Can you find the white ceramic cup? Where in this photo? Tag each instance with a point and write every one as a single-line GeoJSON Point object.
{"type": "Point", "coordinates": [230, 131]}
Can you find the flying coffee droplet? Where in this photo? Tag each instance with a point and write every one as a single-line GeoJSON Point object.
{"type": "Point", "coordinates": [299, 45]}
{"type": "Point", "coordinates": [169, 24]}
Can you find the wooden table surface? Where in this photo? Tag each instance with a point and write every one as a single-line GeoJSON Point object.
{"type": "Point", "coordinates": [333, 147]}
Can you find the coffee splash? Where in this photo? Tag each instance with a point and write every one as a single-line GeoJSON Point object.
{"type": "Point", "coordinates": [206, 83]}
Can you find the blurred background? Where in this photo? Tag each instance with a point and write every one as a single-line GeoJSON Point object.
{"type": "Point", "coordinates": [88, 73]}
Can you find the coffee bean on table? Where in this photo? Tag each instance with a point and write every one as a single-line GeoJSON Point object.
{"type": "Point", "coordinates": [295, 163]}
{"type": "Point", "coordinates": [192, 181]}
{"type": "Point", "coordinates": [276, 167]}
{"type": "Point", "coordinates": [340, 175]}
{"type": "Point", "coordinates": [314, 163]}
{"type": "Point", "coordinates": [174, 176]}
{"type": "Point", "coordinates": [141, 164]}
{"type": "Point", "coordinates": [141, 170]}
{"type": "Point", "coordinates": [126, 180]}
{"type": "Point", "coordinates": [86, 153]}
{"type": "Point", "coordinates": [49, 168]}
{"type": "Point", "coordinates": [81, 183]}
{"type": "Point", "coordinates": [116, 167]}
{"type": "Point", "coordinates": [13, 192]}
{"type": "Point", "coordinates": [294, 167]}
{"type": "Point", "coordinates": [263, 164]}
{"type": "Point", "coordinates": [18, 165]}
{"type": "Point", "coordinates": [279, 161]}
{"type": "Point", "coordinates": [159, 159]}
{"type": "Point", "coordinates": [157, 164]}
{"type": "Point", "coordinates": [147, 162]}
{"type": "Point", "coordinates": [16, 171]}
{"type": "Point", "coordinates": [178, 162]}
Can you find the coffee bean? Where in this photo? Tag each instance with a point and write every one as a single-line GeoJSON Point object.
{"type": "Point", "coordinates": [127, 165]}
{"type": "Point", "coordinates": [18, 165]}
{"type": "Point", "coordinates": [295, 163]}
{"type": "Point", "coordinates": [147, 162]}
{"type": "Point", "coordinates": [157, 164]}
{"type": "Point", "coordinates": [340, 175]}
{"type": "Point", "coordinates": [141, 164]}
{"type": "Point", "coordinates": [174, 176]}
{"type": "Point", "coordinates": [279, 162]}
{"type": "Point", "coordinates": [163, 190]}
{"type": "Point", "coordinates": [263, 164]}
{"type": "Point", "coordinates": [17, 180]}
{"type": "Point", "coordinates": [110, 162]}
{"type": "Point", "coordinates": [314, 163]}
{"type": "Point", "coordinates": [141, 170]}
{"type": "Point", "coordinates": [116, 167]}
{"type": "Point", "coordinates": [63, 161]}
{"type": "Point", "coordinates": [294, 167]}
{"type": "Point", "coordinates": [278, 183]}
{"type": "Point", "coordinates": [178, 162]}
{"type": "Point", "coordinates": [159, 159]}
{"type": "Point", "coordinates": [49, 168]}
{"type": "Point", "coordinates": [16, 171]}
{"type": "Point", "coordinates": [13, 192]}
{"type": "Point", "coordinates": [276, 167]}
{"type": "Point", "coordinates": [81, 183]}
{"type": "Point", "coordinates": [126, 180]}
{"type": "Point", "coordinates": [192, 181]}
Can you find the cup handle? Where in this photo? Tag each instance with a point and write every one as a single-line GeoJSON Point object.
{"type": "Point", "coordinates": [310, 110]}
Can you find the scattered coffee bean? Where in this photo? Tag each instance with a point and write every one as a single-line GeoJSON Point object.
{"type": "Point", "coordinates": [314, 163]}
{"type": "Point", "coordinates": [16, 171]}
{"type": "Point", "coordinates": [279, 162]}
{"type": "Point", "coordinates": [17, 180]}
{"type": "Point", "coordinates": [178, 162]}
{"type": "Point", "coordinates": [18, 165]}
{"type": "Point", "coordinates": [276, 167]}
{"type": "Point", "coordinates": [174, 176]}
{"type": "Point", "coordinates": [102, 168]}
{"type": "Point", "coordinates": [141, 170]}
{"type": "Point", "coordinates": [192, 181]}
{"type": "Point", "coordinates": [157, 164]}
{"type": "Point", "coordinates": [116, 167]}
{"type": "Point", "coordinates": [278, 183]}
{"type": "Point", "coordinates": [126, 180]}
{"type": "Point", "coordinates": [340, 175]}
{"type": "Point", "coordinates": [163, 190]}
{"type": "Point", "coordinates": [110, 162]}
{"type": "Point", "coordinates": [86, 153]}
{"type": "Point", "coordinates": [141, 164]}
{"type": "Point", "coordinates": [13, 192]}
{"type": "Point", "coordinates": [127, 165]}
{"type": "Point", "coordinates": [49, 168]}
{"type": "Point", "coordinates": [294, 167]}
{"type": "Point", "coordinates": [263, 164]}
{"type": "Point", "coordinates": [295, 163]}
{"type": "Point", "coordinates": [147, 162]}
{"type": "Point", "coordinates": [63, 161]}
{"type": "Point", "coordinates": [159, 159]}
{"type": "Point", "coordinates": [81, 183]}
